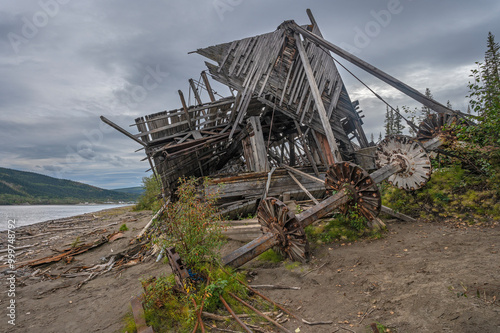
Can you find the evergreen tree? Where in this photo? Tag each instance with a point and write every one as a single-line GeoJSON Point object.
{"type": "Point", "coordinates": [371, 138]}
{"type": "Point", "coordinates": [398, 126]}
{"type": "Point", "coordinates": [485, 97]}
{"type": "Point", "coordinates": [448, 105]}
{"type": "Point", "coordinates": [425, 110]}
{"type": "Point", "coordinates": [389, 121]}
{"type": "Point", "coordinates": [491, 71]}
{"type": "Point", "coordinates": [379, 136]}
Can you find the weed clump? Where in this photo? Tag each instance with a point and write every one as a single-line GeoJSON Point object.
{"type": "Point", "coordinates": [271, 256]}
{"type": "Point", "coordinates": [172, 308]}
{"type": "Point", "coordinates": [192, 225]}
{"type": "Point", "coordinates": [452, 192]}
{"type": "Point", "coordinates": [349, 227]}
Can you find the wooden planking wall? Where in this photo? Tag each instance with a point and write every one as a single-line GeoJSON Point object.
{"type": "Point", "coordinates": [284, 83]}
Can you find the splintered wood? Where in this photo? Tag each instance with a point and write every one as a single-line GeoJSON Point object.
{"type": "Point", "coordinates": [288, 108]}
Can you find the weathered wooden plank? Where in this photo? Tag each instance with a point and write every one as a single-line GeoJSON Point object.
{"type": "Point", "coordinates": [258, 145]}
{"type": "Point", "coordinates": [121, 130]}
{"type": "Point", "coordinates": [195, 92]}
{"type": "Point", "coordinates": [303, 188]}
{"type": "Point", "coordinates": [319, 102]}
{"type": "Point", "coordinates": [184, 106]}
{"type": "Point", "coordinates": [208, 86]}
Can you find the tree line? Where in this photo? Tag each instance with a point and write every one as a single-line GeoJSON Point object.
{"type": "Point", "coordinates": [484, 94]}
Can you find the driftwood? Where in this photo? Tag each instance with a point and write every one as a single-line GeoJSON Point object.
{"type": "Point", "coordinates": [72, 220]}
{"type": "Point", "coordinates": [146, 227]}
{"type": "Point", "coordinates": [69, 252]}
{"type": "Point", "coordinates": [238, 320]}
{"type": "Point", "coordinates": [259, 313]}
{"type": "Point", "coordinates": [312, 323]}
{"type": "Point", "coordinates": [34, 236]}
{"type": "Point", "coordinates": [57, 228]}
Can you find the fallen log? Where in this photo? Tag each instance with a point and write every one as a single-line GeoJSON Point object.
{"type": "Point", "coordinates": [311, 323]}
{"type": "Point", "coordinates": [69, 252]}
{"type": "Point", "coordinates": [146, 227]}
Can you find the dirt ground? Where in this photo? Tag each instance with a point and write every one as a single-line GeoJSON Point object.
{"type": "Point", "coordinates": [421, 277]}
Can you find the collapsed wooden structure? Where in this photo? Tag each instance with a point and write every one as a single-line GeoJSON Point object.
{"type": "Point", "coordinates": [289, 117]}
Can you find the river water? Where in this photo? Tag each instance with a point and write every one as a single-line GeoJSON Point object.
{"type": "Point", "coordinates": [31, 214]}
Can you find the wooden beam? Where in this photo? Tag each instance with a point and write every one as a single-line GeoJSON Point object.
{"type": "Point", "coordinates": [289, 168]}
{"type": "Point", "coordinates": [303, 188]}
{"type": "Point", "coordinates": [404, 88]}
{"type": "Point", "coordinates": [268, 183]}
{"type": "Point", "coordinates": [121, 130]}
{"type": "Point", "coordinates": [258, 145]}
{"type": "Point", "coordinates": [184, 106]}
{"type": "Point", "coordinates": [207, 86]}
{"type": "Point", "coordinates": [195, 92]}
{"type": "Point", "coordinates": [400, 216]}
{"type": "Point", "coordinates": [318, 101]}
{"type": "Point", "coordinates": [291, 154]}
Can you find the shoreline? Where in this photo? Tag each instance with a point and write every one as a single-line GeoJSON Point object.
{"type": "Point", "coordinates": [6, 217]}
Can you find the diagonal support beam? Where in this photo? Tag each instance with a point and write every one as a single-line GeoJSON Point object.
{"type": "Point", "coordinates": [317, 99]}
{"type": "Point", "coordinates": [392, 81]}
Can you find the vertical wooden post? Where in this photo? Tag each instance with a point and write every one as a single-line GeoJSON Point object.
{"type": "Point", "coordinates": [258, 145]}
{"type": "Point", "coordinates": [317, 99]}
{"type": "Point", "coordinates": [195, 91]}
{"type": "Point", "coordinates": [207, 85]}
{"type": "Point", "coordinates": [211, 111]}
{"type": "Point", "coordinates": [184, 106]}
{"type": "Point", "coordinates": [291, 145]}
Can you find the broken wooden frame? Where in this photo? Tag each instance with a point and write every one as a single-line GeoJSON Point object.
{"type": "Point", "coordinates": [289, 108]}
{"type": "Point", "coordinates": [284, 230]}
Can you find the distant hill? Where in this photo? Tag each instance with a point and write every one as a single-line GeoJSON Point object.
{"type": "Point", "coordinates": [20, 187]}
{"type": "Point", "coordinates": [134, 190]}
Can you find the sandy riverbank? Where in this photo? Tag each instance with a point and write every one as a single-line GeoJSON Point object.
{"type": "Point", "coordinates": [421, 277]}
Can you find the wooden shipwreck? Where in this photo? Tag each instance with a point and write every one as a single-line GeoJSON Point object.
{"type": "Point", "coordinates": [288, 118]}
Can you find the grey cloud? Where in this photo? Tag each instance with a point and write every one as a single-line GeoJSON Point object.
{"type": "Point", "coordinates": [90, 57]}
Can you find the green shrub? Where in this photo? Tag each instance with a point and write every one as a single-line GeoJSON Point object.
{"type": "Point", "coordinates": [167, 309]}
{"type": "Point", "coordinates": [452, 192]}
{"type": "Point", "coordinates": [149, 200]}
{"type": "Point", "coordinates": [192, 225]}
{"type": "Point", "coordinates": [341, 227]}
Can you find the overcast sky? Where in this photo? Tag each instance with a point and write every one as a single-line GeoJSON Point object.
{"type": "Point", "coordinates": [64, 63]}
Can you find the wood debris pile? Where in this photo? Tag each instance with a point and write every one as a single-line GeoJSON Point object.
{"type": "Point", "coordinates": [289, 112]}
{"type": "Point", "coordinates": [276, 116]}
